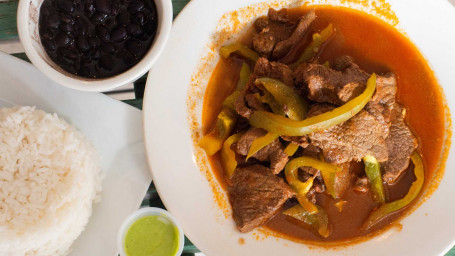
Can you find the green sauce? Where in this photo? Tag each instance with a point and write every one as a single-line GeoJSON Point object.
{"type": "Point", "coordinates": [152, 236]}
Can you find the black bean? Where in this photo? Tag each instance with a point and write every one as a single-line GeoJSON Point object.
{"type": "Point", "coordinates": [66, 5]}
{"type": "Point", "coordinates": [53, 20]}
{"type": "Point", "coordinates": [94, 41]}
{"type": "Point", "coordinates": [49, 34]}
{"type": "Point", "coordinates": [93, 54]}
{"type": "Point", "coordinates": [111, 23]}
{"type": "Point", "coordinates": [63, 40]}
{"type": "Point", "coordinates": [119, 34]}
{"type": "Point", "coordinates": [103, 33]}
{"type": "Point", "coordinates": [82, 44]}
{"type": "Point", "coordinates": [68, 53]}
{"type": "Point", "coordinates": [135, 6]}
{"type": "Point", "coordinates": [80, 27]}
{"type": "Point", "coordinates": [123, 18]}
{"type": "Point", "coordinates": [66, 28]}
{"type": "Point", "coordinates": [134, 47]}
{"type": "Point", "coordinates": [90, 7]}
{"type": "Point", "coordinates": [103, 6]}
{"type": "Point", "coordinates": [67, 19]}
{"type": "Point", "coordinates": [107, 62]}
{"type": "Point", "coordinates": [108, 48]}
{"type": "Point", "coordinates": [134, 29]}
{"type": "Point", "coordinates": [128, 58]}
{"type": "Point", "coordinates": [115, 9]}
{"type": "Point", "coordinates": [139, 18]}
{"type": "Point", "coordinates": [150, 28]}
{"type": "Point", "coordinates": [98, 18]}
{"type": "Point", "coordinates": [48, 44]}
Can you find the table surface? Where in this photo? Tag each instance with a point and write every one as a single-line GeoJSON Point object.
{"type": "Point", "coordinates": [8, 34]}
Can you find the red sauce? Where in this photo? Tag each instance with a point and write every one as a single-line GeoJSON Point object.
{"type": "Point", "coordinates": [376, 47]}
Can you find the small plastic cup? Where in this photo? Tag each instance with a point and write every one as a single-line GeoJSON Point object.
{"type": "Point", "coordinates": [143, 212]}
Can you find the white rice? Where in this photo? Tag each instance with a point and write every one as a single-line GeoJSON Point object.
{"type": "Point", "coordinates": [49, 178]}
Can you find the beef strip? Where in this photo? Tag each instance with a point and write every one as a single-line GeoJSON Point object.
{"type": "Point", "coordinates": [328, 85]}
{"type": "Point", "coordinates": [350, 140]}
{"type": "Point", "coordinates": [256, 195]}
{"type": "Point", "coordinates": [400, 145]}
{"type": "Point", "coordinates": [247, 102]}
{"type": "Point", "coordinates": [299, 140]}
{"type": "Point", "coordinates": [275, 70]}
{"type": "Point", "coordinates": [283, 47]}
{"type": "Point", "coordinates": [271, 30]}
{"type": "Point", "coordinates": [273, 153]}
{"type": "Point", "coordinates": [400, 141]}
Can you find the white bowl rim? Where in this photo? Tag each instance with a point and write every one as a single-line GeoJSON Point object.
{"type": "Point", "coordinates": [104, 84]}
{"type": "Point", "coordinates": [143, 212]}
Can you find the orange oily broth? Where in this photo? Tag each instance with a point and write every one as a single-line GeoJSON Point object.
{"type": "Point", "coordinates": [376, 47]}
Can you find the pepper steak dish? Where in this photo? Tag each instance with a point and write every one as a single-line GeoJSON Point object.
{"type": "Point", "coordinates": [316, 124]}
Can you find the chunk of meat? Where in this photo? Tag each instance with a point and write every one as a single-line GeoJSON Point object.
{"type": "Point", "coordinates": [271, 30]}
{"type": "Point", "coordinates": [328, 85]}
{"type": "Point", "coordinates": [245, 104]}
{"type": "Point", "coordinates": [302, 141]}
{"type": "Point", "coordinates": [275, 70]}
{"type": "Point", "coordinates": [256, 195]}
{"type": "Point", "coordinates": [352, 139]}
{"type": "Point", "coordinates": [283, 47]}
{"type": "Point", "coordinates": [273, 153]}
{"type": "Point", "coordinates": [400, 145]}
{"type": "Point", "coordinates": [361, 185]}
{"type": "Point", "coordinates": [342, 179]}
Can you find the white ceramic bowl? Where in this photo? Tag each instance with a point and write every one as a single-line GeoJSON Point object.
{"type": "Point", "coordinates": [27, 25]}
{"type": "Point", "coordinates": [148, 211]}
{"type": "Point", "coordinates": [186, 187]}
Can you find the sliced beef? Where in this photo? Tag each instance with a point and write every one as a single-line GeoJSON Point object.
{"type": "Point", "coordinates": [350, 140]}
{"type": "Point", "coordinates": [273, 153]}
{"type": "Point", "coordinates": [271, 30]}
{"type": "Point", "coordinates": [283, 47]}
{"type": "Point", "coordinates": [256, 195]}
{"type": "Point", "coordinates": [328, 85]}
{"type": "Point", "coordinates": [275, 70]}
{"type": "Point", "coordinates": [302, 141]}
{"type": "Point", "coordinates": [400, 145]}
{"type": "Point", "coordinates": [342, 180]}
{"type": "Point", "coordinates": [248, 102]}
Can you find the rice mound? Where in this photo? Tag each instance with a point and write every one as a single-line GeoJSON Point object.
{"type": "Point", "coordinates": [49, 178]}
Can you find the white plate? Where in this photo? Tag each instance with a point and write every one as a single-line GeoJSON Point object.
{"type": "Point", "coordinates": [185, 190]}
{"type": "Point", "coordinates": [113, 127]}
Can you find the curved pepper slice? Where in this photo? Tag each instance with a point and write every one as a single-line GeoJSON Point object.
{"type": "Point", "coordinates": [291, 149]}
{"type": "Point", "coordinates": [268, 99]}
{"type": "Point", "coordinates": [213, 141]}
{"type": "Point", "coordinates": [228, 156]}
{"type": "Point", "coordinates": [373, 172]}
{"type": "Point", "coordinates": [314, 47]}
{"type": "Point", "coordinates": [386, 209]}
{"type": "Point", "coordinates": [293, 104]}
{"type": "Point", "coordinates": [241, 49]}
{"type": "Point", "coordinates": [319, 221]}
{"type": "Point", "coordinates": [285, 126]}
{"type": "Point", "coordinates": [261, 142]}
{"type": "Point", "coordinates": [300, 188]}
{"type": "Point", "coordinates": [245, 73]}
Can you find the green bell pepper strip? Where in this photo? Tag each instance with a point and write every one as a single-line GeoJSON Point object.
{"type": "Point", "coordinates": [373, 171]}
{"type": "Point", "coordinates": [319, 220]}
{"type": "Point", "coordinates": [261, 142]}
{"type": "Point", "coordinates": [268, 99]}
{"type": "Point", "coordinates": [291, 149]}
{"type": "Point", "coordinates": [300, 188]}
{"type": "Point", "coordinates": [314, 47]}
{"type": "Point", "coordinates": [245, 73]}
{"type": "Point", "coordinates": [228, 156]}
{"type": "Point", "coordinates": [386, 209]}
{"type": "Point", "coordinates": [293, 104]}
{"type": "Point", "coordinates": [213, 141]}
{"type": "Point", "coordinates": [284, 126]}
{"type": "Point", "coordinates": [241, 49]}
